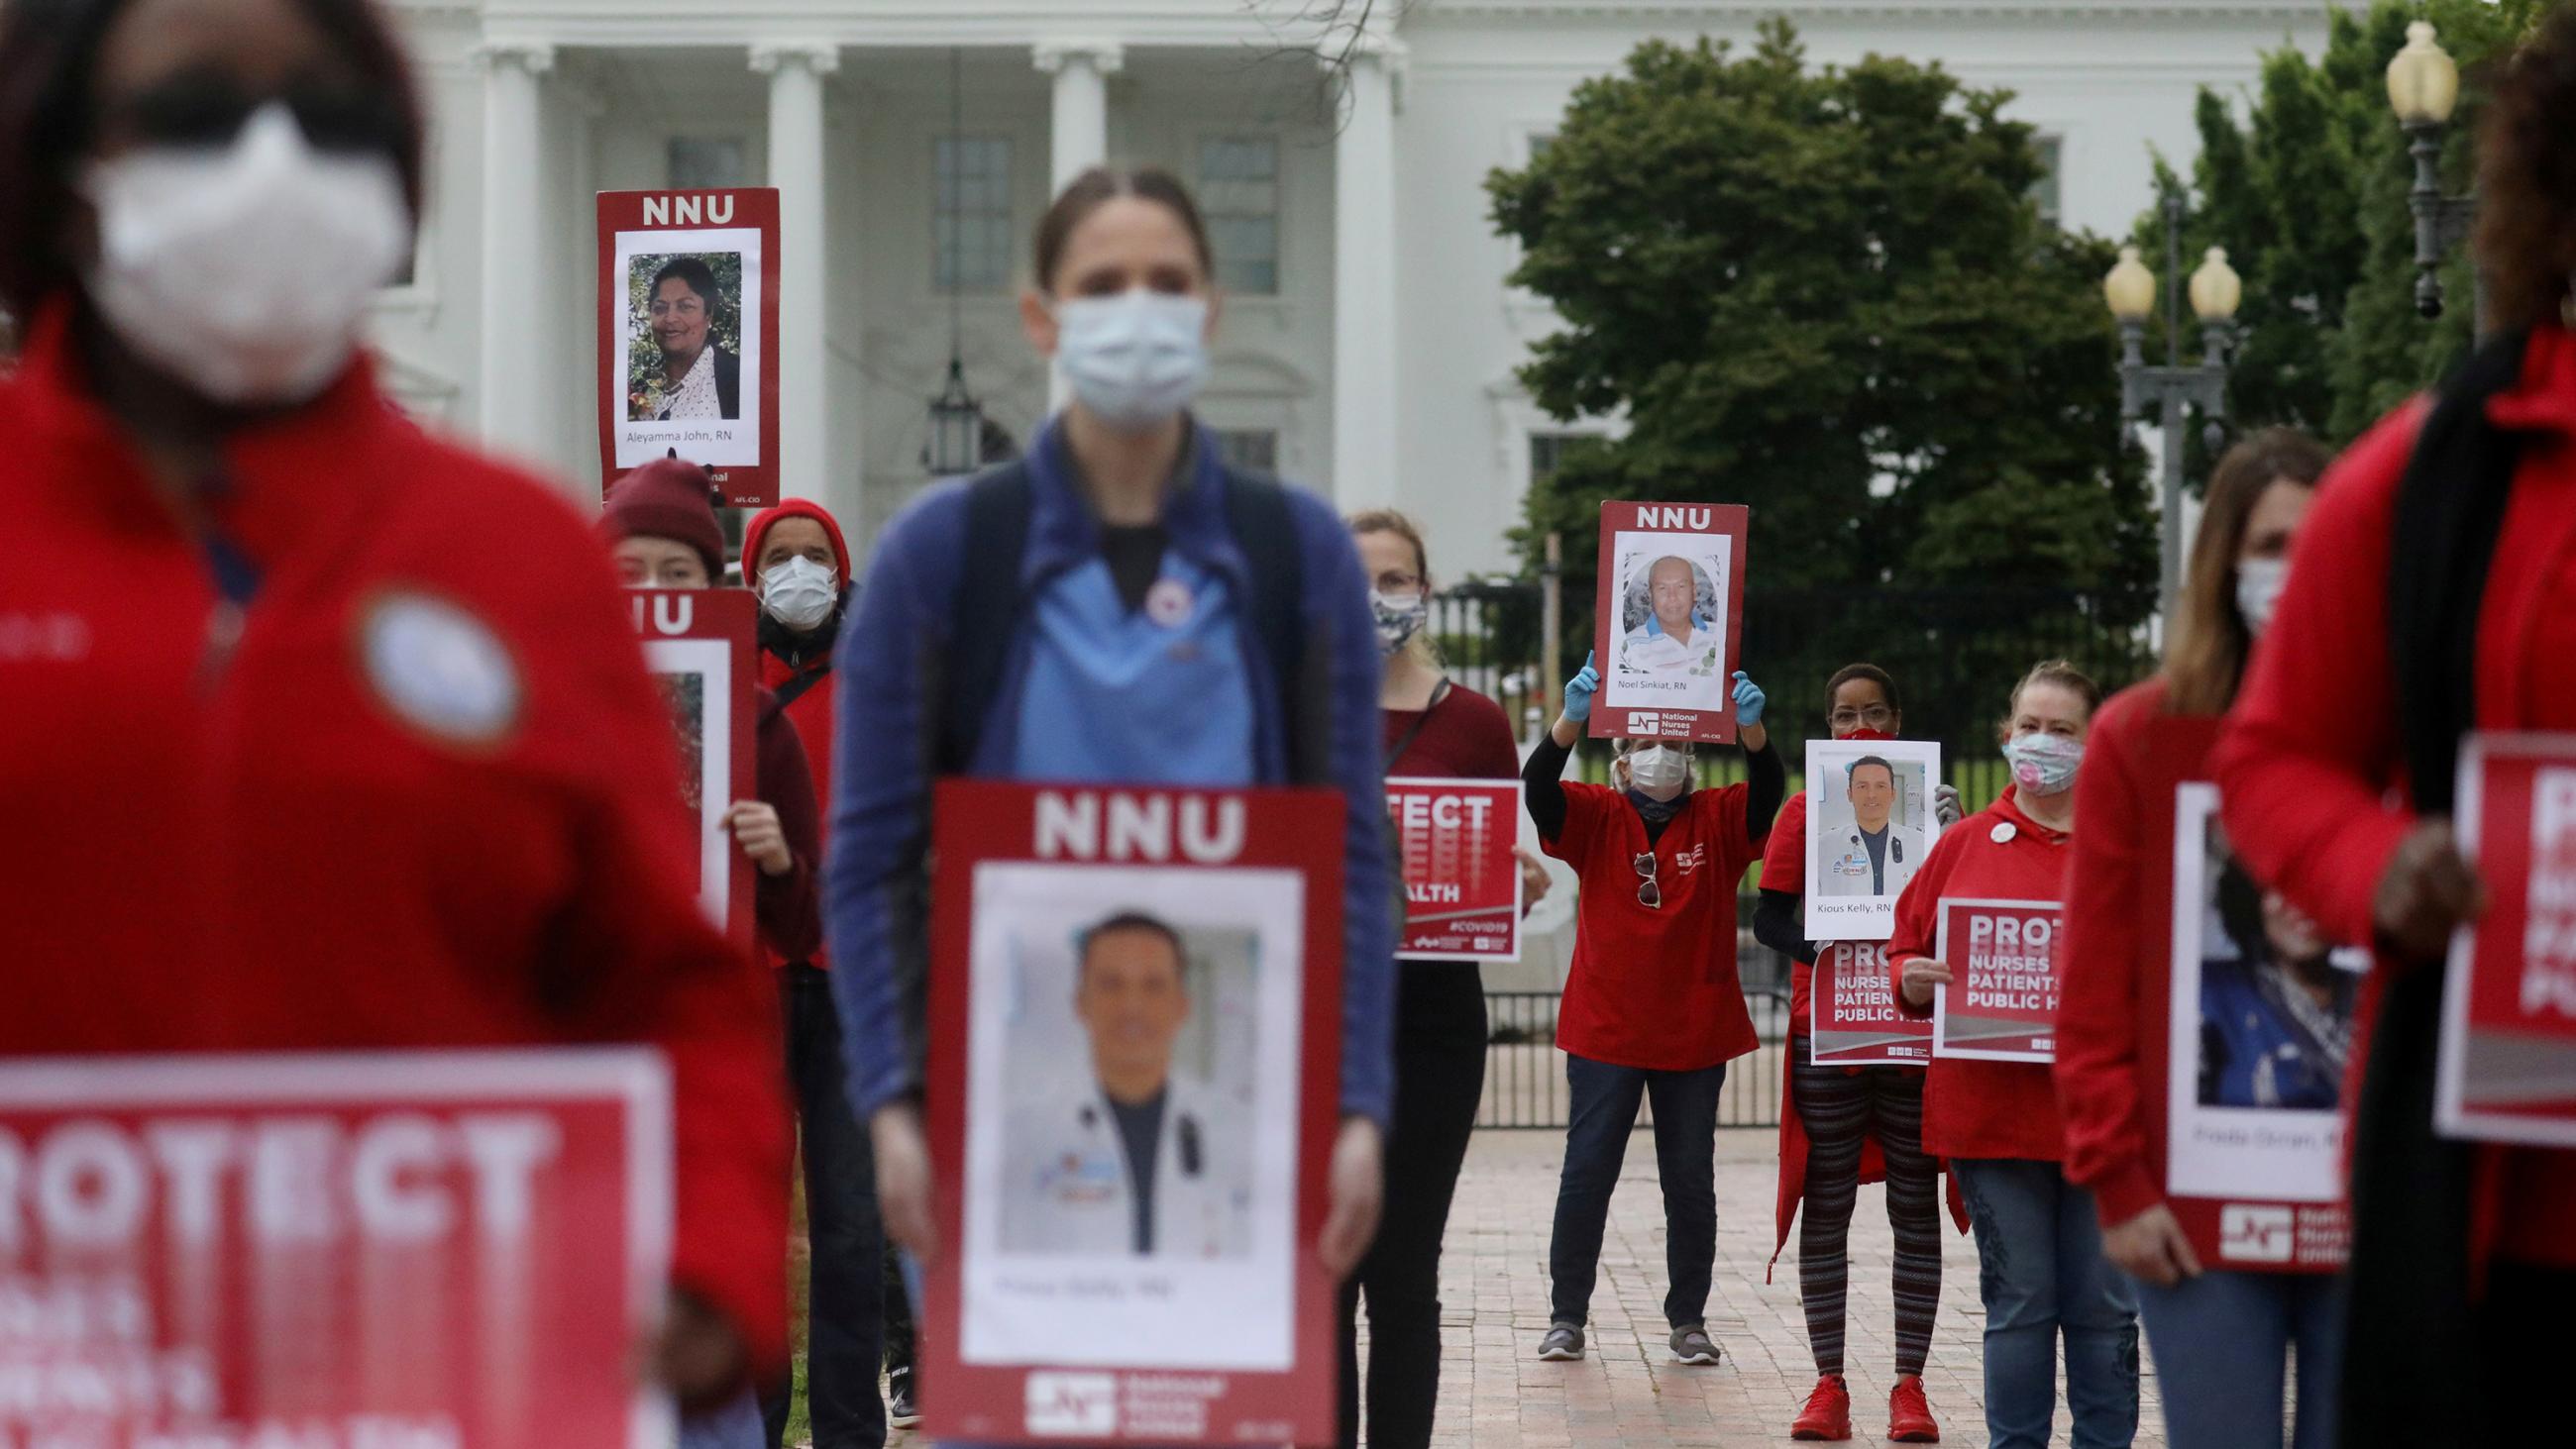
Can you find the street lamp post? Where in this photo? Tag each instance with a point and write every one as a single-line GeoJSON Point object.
{"type": "Point", "coordinates": [2215, 292]}
{"type": "Point", "coordinates": [2423, 87]}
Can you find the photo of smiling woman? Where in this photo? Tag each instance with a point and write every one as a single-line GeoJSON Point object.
{"type": "Point", "coordinates": [687, 351]}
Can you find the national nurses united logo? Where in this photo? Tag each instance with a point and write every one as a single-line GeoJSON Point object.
{"type": "Point", "coordinates": [439, 669]}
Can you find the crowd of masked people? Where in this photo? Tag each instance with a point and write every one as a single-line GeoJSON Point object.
{"type": "Point", "coordinates": [321, 732]}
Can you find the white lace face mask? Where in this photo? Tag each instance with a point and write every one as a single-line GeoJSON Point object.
{"type": "Point", "coordinates": [245, 270]}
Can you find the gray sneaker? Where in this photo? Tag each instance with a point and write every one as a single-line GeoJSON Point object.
{"type": "Point", "coordinates": [1563, 1343]}
{"type": "Point", "coordinates": [1691, 1345]}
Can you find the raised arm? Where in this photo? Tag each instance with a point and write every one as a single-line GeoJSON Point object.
{"type": "Point", "coordinates": [1543, 773]}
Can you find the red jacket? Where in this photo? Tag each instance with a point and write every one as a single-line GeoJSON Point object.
{"type": "Point", "coordinates": [421, 798]}
{"type": "Point", "coordinates": [2310, 757]}
{"type": "Point", "coordinates": [2103, 1011]}
{"type": "Point", "coordinates": [810, 711]}
{"type": "Point", "coordinates": [1972, 1108]}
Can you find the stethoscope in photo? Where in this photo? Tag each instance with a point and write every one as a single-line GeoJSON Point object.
{"type": "Point", "coordinates": [1185, 1136]}
{"type": "Point", "coordinates": [1895, 846]}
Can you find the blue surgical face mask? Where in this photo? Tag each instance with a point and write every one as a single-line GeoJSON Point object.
{"type": "Point", "coordinates": [1135, 359]}
{"type": "Point", "coordinates": [2043, 764]}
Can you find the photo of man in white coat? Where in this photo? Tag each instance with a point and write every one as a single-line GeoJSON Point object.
{"type": "Point", "coordinates": [1147, 1161]}
{"type": "Point", "coordinates": [1872, 856]}
{"type": "Point", "coordinates": [1673, 638]}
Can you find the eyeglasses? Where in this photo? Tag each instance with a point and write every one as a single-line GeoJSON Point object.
{"type": "Point", "coordinates": [1649, 895]}
{"type": "Point", "coordinates": [1877, 717]}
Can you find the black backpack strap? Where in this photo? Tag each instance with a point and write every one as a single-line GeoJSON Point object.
{"type": "Point", "coordinates": [794, 689]}
{"type": "Point", "coordinates": [985, 612]}
{"type": "Point", "coordinates": [1264, 525]}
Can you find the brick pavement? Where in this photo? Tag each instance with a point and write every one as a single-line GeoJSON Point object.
{"type": "Point", "coordinates": [1494, 1394]}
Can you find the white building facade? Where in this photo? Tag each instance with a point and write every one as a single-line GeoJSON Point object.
{"type": "Point", "coordinates": [1369, 341]}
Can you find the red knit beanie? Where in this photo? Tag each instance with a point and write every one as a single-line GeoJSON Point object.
{"type": "Point", "coordinates": [668, 498]}
{"type": "Point", "coordinates": [758, 528]}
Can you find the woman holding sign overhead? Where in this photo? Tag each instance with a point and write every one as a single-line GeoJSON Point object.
{"type": "Point", "coordinates": [1437, 727]}
{"type": "Point", "coordinates": [2039, 1249]}
{"type": "Point", "coordinates": [2433, 593]}
{"type": "Point", "coordinates": [2220, 1338]}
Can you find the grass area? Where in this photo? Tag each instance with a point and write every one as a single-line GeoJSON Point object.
{"type": "Point", "coordinates": [800, 1255]}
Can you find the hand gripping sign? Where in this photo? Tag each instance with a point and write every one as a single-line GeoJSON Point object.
{"type": "Point", "coordinates": [1667, 618]}
{"type": "Point", "coordinates": [1855, 1019]}
{"type": "Point", "coordinates": [2000, 1004]}
{"type": "Point", "coordinates": [698, 647]}
{"type": "Point", "coordinates": [333, 1251]}
{"type": "Point", "coordinates": [2508, 1060]}
{"type": "Point", "coordinates": [1462, 883]}
{"type": "Point", "coordinates": [1135, 996]}
{"type": "Point", "coordinates": [688, 335]}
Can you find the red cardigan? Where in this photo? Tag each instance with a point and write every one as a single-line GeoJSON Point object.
{"type": "Point", "coordinates": [1974, 1108]}
{"type": "Point", "coordinates": [319, 833]}
{"type": "Point", "coordinates": [2310, 757]}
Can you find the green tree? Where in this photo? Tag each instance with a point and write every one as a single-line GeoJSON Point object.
{"type": "Point", "coordinates": [1824, 293]}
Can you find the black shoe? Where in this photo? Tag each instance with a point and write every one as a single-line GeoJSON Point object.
{"type": "Point", "coordinates": [900, 1410]}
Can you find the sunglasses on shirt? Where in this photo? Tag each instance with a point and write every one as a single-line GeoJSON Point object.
{"type": "Point", "coordinates": [1649, 894]}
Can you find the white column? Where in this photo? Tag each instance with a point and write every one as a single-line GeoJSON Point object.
{"type": "Point", "coordinates": [1082, 69]}
{"type": "Point", "coordinates": [796, 75]}
{"type": "Point", "coordinates": [511, 386]}
{"type": "Point", "coordinates": [1364, 359]}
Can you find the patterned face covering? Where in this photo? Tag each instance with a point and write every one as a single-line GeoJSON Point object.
{"type": "Point", "coordinates": [1399, 618]}
{"type": "Point", "coordinates": [2043, 764]}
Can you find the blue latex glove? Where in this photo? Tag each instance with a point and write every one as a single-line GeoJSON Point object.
{"type": "Point", "coordinates": [1749, 700]}
{"type": "Point", "coordinates": [1580, 689]}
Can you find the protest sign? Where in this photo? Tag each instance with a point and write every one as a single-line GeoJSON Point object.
{"type": "Point", "coordinates": [688, 335]}
{"type": "Point", "coordinates": [1854, 1017]}
{"type": "Point", "coordinates": [1667, 618]}
{"type": "Point", "coordinates": [1462, 884]}
{"type": "Point", "coordinates": [2001, 1003]}
{"type": "Point", "coordinates": [334, 1251]}
{"type": "Point", "coordinates": [1870, 824]}
{"type": "Point", "coordinates": [1112, 964]}
{"type": "Point", "coordinates": [2508, 1061]}
{"type": "Point", "coordinates": [2245, 1021]}
{"type": "Point", "coordinates": [698, 647]}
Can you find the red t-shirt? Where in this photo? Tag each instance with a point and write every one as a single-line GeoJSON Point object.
{"type": "Point", "coordinates": [1976, 1108]}
{"type": "Point", "coordinates": [1784, 868]}
{"type": "Point", "coordinates": [1655, 987]}
{"type": "Point", "coordinates": [1465, 735]}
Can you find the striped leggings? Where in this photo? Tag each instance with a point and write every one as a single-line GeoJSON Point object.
{"type": "Point", "coordinates": [1841, 1109]}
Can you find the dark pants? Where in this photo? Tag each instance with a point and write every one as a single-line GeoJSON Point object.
{"type": "Point", "coordinates": [1603, 1111]}
{"type": "Point", "coordinates": [1439, 1079]}
{"type": "Point", "coordinates": [846, 1296]}
{"type": "Point", "coordinates": [898, 1316]}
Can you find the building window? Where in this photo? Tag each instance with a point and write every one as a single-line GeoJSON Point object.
{"type": "Point", "coordinates": [970, 224]}
{"type": "Point", "coordinates": [2045, 193]}
{"type": "Point", "coordinates": [1539, 141]}
{"type": "Point", "coordinates": [1549, 451]}
{"type": "Point", "coordinates": [1239, 192]}
{"type": "Point", "coordinates": [708, 163]}
{"type": "Point", "coordinates": [1253, 449]}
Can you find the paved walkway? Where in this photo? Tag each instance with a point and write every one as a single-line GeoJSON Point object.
{"type": "Point", "coordinates": [1495, 1394]}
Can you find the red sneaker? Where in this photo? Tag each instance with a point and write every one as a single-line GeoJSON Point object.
{"type": "Point", "coordinates": [1909, 1419]}
{"type": "Point", "coordinates": [1828, 1412]}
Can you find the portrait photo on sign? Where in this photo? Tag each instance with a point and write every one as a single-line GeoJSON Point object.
{"type": "Point", "coordinates": [1669, 635]}
{"type": "Point", "coordinates": [1132, 1076]}
{"type": "Point", "coordinates": [2262, 1027]}
{"type": "Point", "coordinates": [688, 358]}
{"type": "Point", "coordinates": [1870, 826]}
{"type": "Point", "coordinates": [690, 673]}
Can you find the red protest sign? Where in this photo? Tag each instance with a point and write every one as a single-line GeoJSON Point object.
{"type": "Point", "coordinates": [2508, 1062]}
{"type": "Point", "coordinates": [1114, 964]}
{"type": "Point", "coordinates": [2001, 1002]}
{"type": "Point", "coordinates": [688, 335]}
{"type": "Point", "coordinates": [698, 644]}
{"type": "Point", "coordinates": [400, 1248]}
{"type": "Point", "coordinates": [1668, 615]}
{"type": "Point", "coordinates": [1462, 884]}
{"type": "Point", "coordinates": [1855, 1020]}
{"type": "Point", "coordinates": [2244, 1027]}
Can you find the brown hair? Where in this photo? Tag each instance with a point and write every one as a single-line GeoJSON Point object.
{"type": "Point", "coordinates": [2526, 239]}
{"type": "Point", "coordinates": [1870, 672]}
{"type": "Point", "coordinates": [1089, 191]}
{"type": "Point", "coordinates": [48, 64]}
{"type": "Point", "coordinates": [2064, 676]}
{"type": "Point", "coordinates": [2205, 651]}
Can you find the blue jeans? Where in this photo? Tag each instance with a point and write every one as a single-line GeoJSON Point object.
{"type": "Point", "coordinates": [2041, 1274]}
{"type": "Point", "coordinates": [734, 1425]}
{"type": "Point", "coordinates": [2220, 1342]}
{"type": "Point", "coordinates": [1601, 1114]}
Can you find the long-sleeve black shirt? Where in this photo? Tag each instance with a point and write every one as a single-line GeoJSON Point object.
{"type": "Point", "coordinates": [1542, 780]}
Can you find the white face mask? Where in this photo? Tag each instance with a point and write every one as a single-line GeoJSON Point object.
{"type": "Point", "coordinates": [245, 270]}
{"type": "Point", "coordinates": [1136, 359]}
{"type": "Point", "coordinates": [2258, 590]}
{"type": "Point", "coordinates": [799, 592]}
{"type": "Point", "coordinates": [1658, 771]}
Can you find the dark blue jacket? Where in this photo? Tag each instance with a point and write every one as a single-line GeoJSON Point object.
{"type": "Point", "coordinates": [892, 653]}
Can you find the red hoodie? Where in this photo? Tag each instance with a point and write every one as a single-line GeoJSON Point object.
{"type": "Point", "coordinates": [811, 710]}
{"type": "Point", "coordinates": [1979, 1109]}
{"type": "Point", "coordinates": [420, 797]}
{"type": "Point", "coordinates": [2309, 765]}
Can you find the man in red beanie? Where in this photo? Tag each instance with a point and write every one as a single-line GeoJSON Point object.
{"type": "Point", "coordinates": [661, 522]}
{"type": "Point", "coordinates": [794, 557]}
